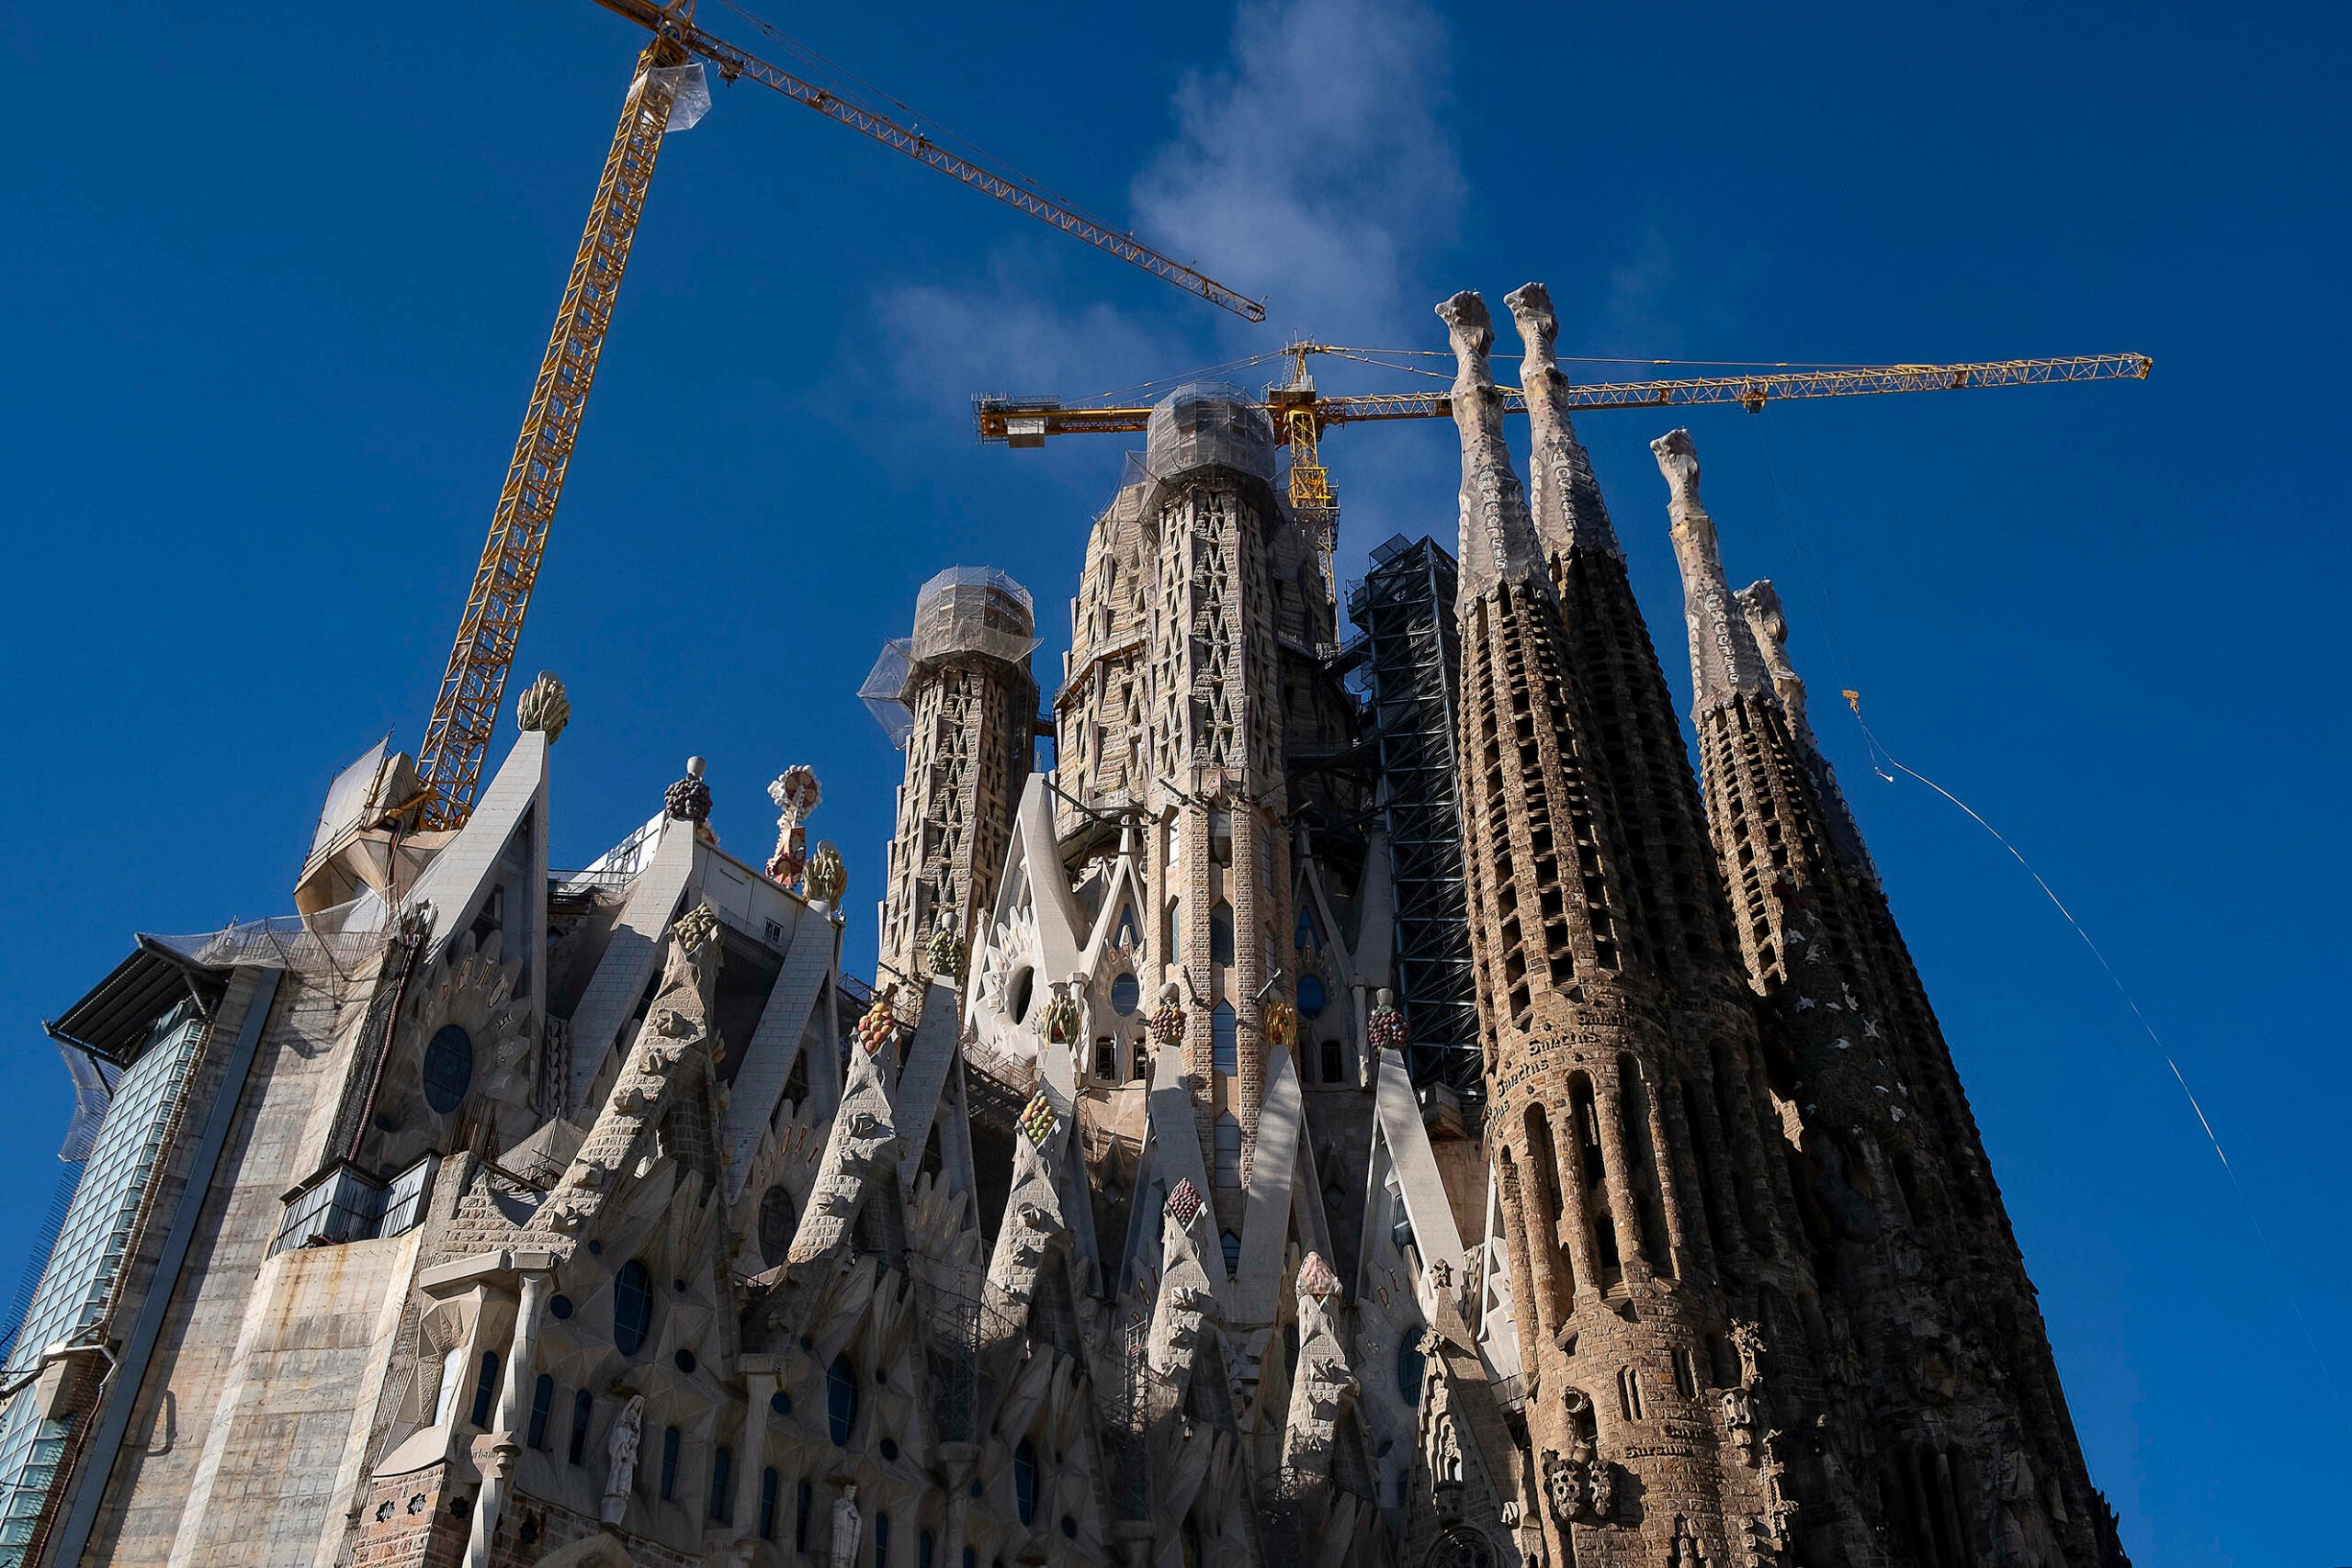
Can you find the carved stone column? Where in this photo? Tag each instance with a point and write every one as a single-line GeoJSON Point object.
{"type": "Point", "coordinates": [957, 1460]}
{"type": "Point", "coordinates": [1576, 1203]}
{"type": "Point", "coordinates": [759, 1377]}
{"type": "Point", "coordinates": [1617, 1181]}
{"type": "Point", "coordinates": [495, 1452]}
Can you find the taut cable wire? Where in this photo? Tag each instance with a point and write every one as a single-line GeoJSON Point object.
{"type": "Point", "coordinates": [2254, 1216]}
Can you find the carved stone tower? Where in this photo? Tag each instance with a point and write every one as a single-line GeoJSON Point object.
{"type": "Point", "coordinates": [959, 696]}
{"type": "Point", "coordinates": [1191, 680]}
{"type": "Point", "coordinates": [1607, 1017]}
{"type": "Point", "coordinates": [1949, 1409]}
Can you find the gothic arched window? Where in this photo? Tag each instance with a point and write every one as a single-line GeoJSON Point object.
{"type": "Point", "coordinates": [1025, 1480]}
{"type": "Point", "coordinates": [584, 1405]}
{"type": "Point", "coordinates": [542, 1405]}
{"type": "Point", "coordinates": [841, 1399]}
{"type": "Point", "coordinates": [632, 1307]}
{"type": "Point", "coordinates": [448, 1068]}
{"type": "Point", "coordinates": [1221, 933]}
{"type": "Point", "coordinates": [485, 1389]}
{"type": "Point", "coordinates": [722, 1484]}
{"type": "Point", "coordinates": [1410, 1365]}
{"type": "Point", "coordinates": [1224, 1040]}
{"type": "Point", "coordinates": [1310, 996]}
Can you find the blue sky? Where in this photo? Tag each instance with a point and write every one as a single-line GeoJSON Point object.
{"type": "Point", "coordinates": [274, 279]}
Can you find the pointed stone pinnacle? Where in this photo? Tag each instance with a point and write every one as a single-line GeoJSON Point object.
{"type": "Point", "coordinates": [1496, 537]}
{"type": "Point", "coordinates": [1724, 656]}
{"type": "Point", "coordinates": [1562, 492]}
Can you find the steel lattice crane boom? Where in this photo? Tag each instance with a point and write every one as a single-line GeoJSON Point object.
{"type": "Point", "coordinates": [1300, 414]}
{"type": "Point", "coordinates": [465, 711]}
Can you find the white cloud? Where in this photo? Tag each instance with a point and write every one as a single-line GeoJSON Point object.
{"type": "Point", "coordinates": [1309, 167]}
{"type": "Point", "coordinates": [1313, 168]}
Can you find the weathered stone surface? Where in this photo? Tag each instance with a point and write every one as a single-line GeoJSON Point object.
{"type": "Point", "coordinates": [1121, 1240]}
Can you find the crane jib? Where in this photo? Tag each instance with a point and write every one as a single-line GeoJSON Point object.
{"type": "Point", "coordinates": [465, 710]}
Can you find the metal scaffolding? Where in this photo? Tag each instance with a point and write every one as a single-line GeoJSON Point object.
{"type": "Point", "coordinates": [1413, 646]}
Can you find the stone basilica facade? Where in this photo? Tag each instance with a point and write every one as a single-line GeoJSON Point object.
{"type": "Point", "coordinates": [1367, 1103]}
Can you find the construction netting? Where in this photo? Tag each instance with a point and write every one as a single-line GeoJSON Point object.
{"type": "Point", "coordinates": [335, 940]}
{"type": "Point", "coordinates": [974, 609]}
{"type": "Point", "coordinates": [885, 691]}
{"type": "Point", "coordinates": [689, 91]}
{"type": "Point", "coordinates": [1205, 423]}
{"type": "Point", "coordinates": [963, 611]}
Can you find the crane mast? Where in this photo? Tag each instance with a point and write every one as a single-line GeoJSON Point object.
{"type": "Point", "coordinates": [465, 712]}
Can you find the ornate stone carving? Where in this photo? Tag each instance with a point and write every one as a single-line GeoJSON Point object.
{"type": "Point", "coordinates": [678, 1022]}
{"type": "Point", "coordinates": [1579, 1483]}
{"type": "Point", "coordinates": [1033, 1220]}
{"type": "Point", "coordinates": [879, 1025]}
{"type": "Point", "coordinates": [544, 708]}
{"type": "Point", "coordinates": [1769, 1535]}
{"type": "Point", "coordinates": [1562, 494]}
{"type": "Point", "coordinates": [2027, 1538]}
{"type": "Point", "coordinates": [863, 1134]}
{"type": "Point", "coordinates": [945, 951]}
{"type": "Point", "coordinates": [1323, 1385]}
{"type": "Point", "coordinates": [1186, 1298]}
{"type": "Point", "coordinates": [1168, 1023]}
{"type": "Point", "coordinates": [796, 795]}
{"type": "Point", "coordinates": [1748, 1340]}
{"type": "Point", "coordinates": [1058, 1019]}
{"type": "Point", "coordinates": [621, 1460]}
{"type": "Point", "coordinates": [688, 800]}
{"type": "Point", "coordinates": [1739, 1420]}
{"type": "Point", "coordinates": [1496, 534]}
{"type": "Point", "coordinates": [826, 876]}
{"type": "Point", "coordinates": [1387, 1027]}
{"type": "Point", "coordinates": [1282, 1024]}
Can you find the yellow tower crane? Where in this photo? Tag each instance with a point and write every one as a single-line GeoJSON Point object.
{"type": "Point", "coordinates": [1301, 414]}
{"type": "Point", "coordinates": [465, 712]}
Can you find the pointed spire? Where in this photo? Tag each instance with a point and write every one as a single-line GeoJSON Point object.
{"type": "Point", "coordinates": [1760, 603]}
{"type": "Point", "coordinates": [1562, 492]}
{"type": "Point", "coordinates": [1497, 542]}
{"type": "Point", "coordinates": [1723, 657]}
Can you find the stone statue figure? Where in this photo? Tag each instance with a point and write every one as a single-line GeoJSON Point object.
{"type": "Point", "coordinates": [620, 1468]}
{"type": "Point", "coordinates": [1747, 1339]}
{"type": "Point", "coordinates": [845, 1527]}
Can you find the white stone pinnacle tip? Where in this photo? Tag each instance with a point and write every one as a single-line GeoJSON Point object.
{"type": "Point", "coordinates": [693, 767]}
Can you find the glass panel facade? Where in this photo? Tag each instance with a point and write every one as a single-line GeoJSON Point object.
{"type": "Point", "coordinates": [78, 1287]}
